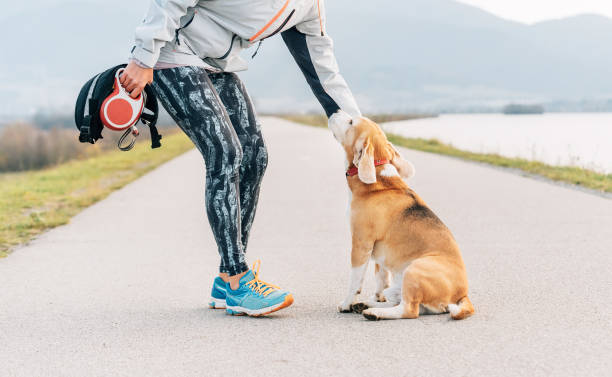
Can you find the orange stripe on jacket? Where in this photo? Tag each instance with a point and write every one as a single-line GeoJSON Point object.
{"type": "Point", "coordinates": [270, 23]}
{"type": "Point", "coordinates": [320, 19]}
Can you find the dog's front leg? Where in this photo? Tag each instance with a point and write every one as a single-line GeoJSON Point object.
{"type": "Point", "coordinates": [383, 278]}
{"type": "Point", "coordinates": [357, 274]}
{"type": "Point", "coordinates": [360, 255]}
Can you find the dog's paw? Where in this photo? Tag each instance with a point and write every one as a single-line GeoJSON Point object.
{"type": "Point", "coordinates": [344, 307]}
{"type": "Point", "coordinates": [370, 316]}
{"type": "Point", "coordinates": [359, 307]}
{"type": "Point", "coordinates": [380, 297]}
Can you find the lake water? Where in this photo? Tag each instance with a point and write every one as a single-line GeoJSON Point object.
{"type": "Point", "coordinates": [576, 139]}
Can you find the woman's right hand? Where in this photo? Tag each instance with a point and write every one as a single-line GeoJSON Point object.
{"type": "Point", "coordinates": [134, 78]}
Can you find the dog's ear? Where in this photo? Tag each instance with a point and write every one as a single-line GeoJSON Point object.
{"type": "Point", "coordinates": [404, 167]}
{"type": "Point", "coordinates": [365, 165]}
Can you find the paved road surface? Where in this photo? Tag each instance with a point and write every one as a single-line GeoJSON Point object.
{"type": "Point", "coordinates": [121, 290]}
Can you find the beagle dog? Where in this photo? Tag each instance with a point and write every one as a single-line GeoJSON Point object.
{"type": "Point", "coordinates": [419, 268]}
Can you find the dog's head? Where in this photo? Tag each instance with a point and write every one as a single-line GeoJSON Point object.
{"type": "Point", "coordinates": [364, 142]}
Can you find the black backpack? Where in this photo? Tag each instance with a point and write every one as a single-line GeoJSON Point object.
{"type": "Point", "coordinates": [91, 96]}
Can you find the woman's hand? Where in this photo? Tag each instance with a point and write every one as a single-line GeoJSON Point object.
{"type": "Point", "coordinates": [134, 78]}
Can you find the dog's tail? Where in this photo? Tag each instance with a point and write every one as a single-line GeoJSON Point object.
{"type": "Point", "coordinates": [462, 309]}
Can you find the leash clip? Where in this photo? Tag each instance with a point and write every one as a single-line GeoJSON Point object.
{"type": "Point", "coordinates": [134, 132]}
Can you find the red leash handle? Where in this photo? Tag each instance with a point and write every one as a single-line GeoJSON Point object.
{"type": "Point", "coordinates": [119, 111]}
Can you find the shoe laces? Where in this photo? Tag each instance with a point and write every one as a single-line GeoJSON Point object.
{"type": "Point", "coordinates": [260, 286]}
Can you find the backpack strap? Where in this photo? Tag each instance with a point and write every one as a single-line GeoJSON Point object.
{"type": "Point", "coordinates": [149, 120]}
{"type": "Point", "coordinates": [87, 133]}
{"type": "Point", "coordinates": [150, 116]}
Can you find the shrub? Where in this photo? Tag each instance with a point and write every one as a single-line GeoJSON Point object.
{"type": "Point", "coordinates": [25, 147]}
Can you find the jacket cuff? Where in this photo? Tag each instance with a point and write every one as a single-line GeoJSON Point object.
{"type": "Point", "coordinates": [144, 57]}
{"type": "Point", "coordinates": [139, 63]}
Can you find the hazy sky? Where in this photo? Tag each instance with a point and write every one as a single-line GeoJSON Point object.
{"type": "Point", "coordinates": [519, 10]}
{"type": "Point", "coordinates": [537, 10]}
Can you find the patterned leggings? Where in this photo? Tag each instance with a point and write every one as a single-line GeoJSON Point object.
{"type": "Point", "coordinates": [215, 111]}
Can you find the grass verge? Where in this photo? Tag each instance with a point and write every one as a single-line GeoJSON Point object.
{"type": "Point", "coordinates": [568, 174]}
{"type": "Point", "coordinates": [320, 120]}
{"type": "Point", "coordinates": [32, 202]}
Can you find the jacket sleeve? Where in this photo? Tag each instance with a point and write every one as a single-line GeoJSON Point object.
{"type": "Point", "coordinates": [313, 51]}
{"type": "Point", "coordinates": [158, 28]}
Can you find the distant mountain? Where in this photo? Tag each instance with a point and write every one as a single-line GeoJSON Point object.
{"type": "Point", "coordinates": [426, 55]}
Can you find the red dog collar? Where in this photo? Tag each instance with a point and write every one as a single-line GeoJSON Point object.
{"type": "Point", "coordinates": [354, 170]}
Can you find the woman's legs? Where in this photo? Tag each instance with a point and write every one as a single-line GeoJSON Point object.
{"type": "Point", "coordinates": [241, 112]}
{"type": "Point", "coordinates": [218, 116]}
{"type": "Point", "coordinates": [191, 99]}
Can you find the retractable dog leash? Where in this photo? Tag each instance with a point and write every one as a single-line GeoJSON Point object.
{"type": "Point", "coordinates": [104, 103]}
{"type": "Point", "coordinates": [121, 112]}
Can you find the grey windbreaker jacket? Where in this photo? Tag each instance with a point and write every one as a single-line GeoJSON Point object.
{"type": "Point", "coordinates": [212, 33]}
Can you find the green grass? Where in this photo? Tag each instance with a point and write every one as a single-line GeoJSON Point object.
{"type": "Point", "coordinates": [320, 120]}
{"type": "Point", "coordinates": [568, 174]}
{"type": "Point", "coordinates": [32, 202]}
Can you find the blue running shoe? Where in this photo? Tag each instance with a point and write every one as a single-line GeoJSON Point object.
{"type": "Point", "coordinates": [217, 296]}
{"type": "Point", "coordinates": [255, 297]}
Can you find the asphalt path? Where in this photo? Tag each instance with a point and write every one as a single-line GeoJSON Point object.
{"type": "Point", "coordinates": [122, 289]}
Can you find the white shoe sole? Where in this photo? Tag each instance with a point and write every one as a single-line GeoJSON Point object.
{"type": "Point", "coordinates": [216, 303]}
{"type": "Point", "coordinates": [239, 310]}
